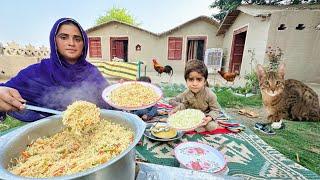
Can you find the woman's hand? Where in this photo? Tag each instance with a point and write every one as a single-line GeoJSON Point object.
{"type": "Point", "coordinates": [206, 120]}
{"type": "Point", "coordinates": [10, 100]}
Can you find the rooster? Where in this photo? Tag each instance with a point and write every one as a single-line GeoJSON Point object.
{"type": "Point", "coordinates": [228, 76]}
{"type": "Point", "coordinates": [160, 69]}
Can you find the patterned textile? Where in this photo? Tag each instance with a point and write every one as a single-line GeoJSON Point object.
{"type": "Point", "coordinates": [247, 155]}
{"type": "Point", "coordinates": [125, 70]}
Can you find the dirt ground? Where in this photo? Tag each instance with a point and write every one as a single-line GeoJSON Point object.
{"type": "Point", "coordinates": [248, 122]}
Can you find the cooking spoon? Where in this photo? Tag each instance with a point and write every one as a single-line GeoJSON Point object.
{"type": "Point", "coordinates": [41, 109]}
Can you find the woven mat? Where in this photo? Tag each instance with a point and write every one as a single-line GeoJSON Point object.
{"type": "Point", "coordinates": [247, 155]}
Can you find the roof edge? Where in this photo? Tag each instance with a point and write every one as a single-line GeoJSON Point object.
{"type": "Point", "coordinates": [202, 17]}
{"type": "Point", "coordinates": [205, 18]}
{"type": "Point", "coordinates": [115, 21]}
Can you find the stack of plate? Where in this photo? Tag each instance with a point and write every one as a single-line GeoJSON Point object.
{"type": "Point", "coordinates": [162, 132]}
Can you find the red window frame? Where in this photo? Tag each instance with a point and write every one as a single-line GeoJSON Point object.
{"type": "Point", "coordinates": [95, 47]}
{"type": "Point", "coordinates": [175, 48]}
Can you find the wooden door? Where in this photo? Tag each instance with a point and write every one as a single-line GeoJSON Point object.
{"type": "Point", "coordinates": [118, 48]}
{"type": "Point", "coordinates": [239, 39]}
{"type": "Point", "coordinates": [118, 45]}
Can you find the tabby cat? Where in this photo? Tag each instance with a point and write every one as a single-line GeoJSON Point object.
{"type": "Point", "coordinates": [287, 99]}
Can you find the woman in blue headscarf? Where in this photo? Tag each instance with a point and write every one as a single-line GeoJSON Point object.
{"type": "Point", "coordinates": [58, 81]}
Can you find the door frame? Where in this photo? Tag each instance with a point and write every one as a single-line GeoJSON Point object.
{"type": "Point", "coordinates": [120, 39]}
{"type": "Point", "coordinates": [236, 32]}
{"type": "Point", "coordinates": [203, 37]}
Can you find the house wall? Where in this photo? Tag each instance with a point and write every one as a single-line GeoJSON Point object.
{"type": "Point", "coordinates": [256, 39]}
{"type": "Point", "coordinates": [301, 47]}
{"type": "Point", "coordinates": [148, 42]}
{"type": "Point", "coordinates": [198, 28]}
{"type": "Point", "coordinates": [154, 46]}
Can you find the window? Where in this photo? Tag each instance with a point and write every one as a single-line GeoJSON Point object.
{"type": "Point", "coordinates": [95, 47]}
{"type": "Point", "coordinates": [174, 48]}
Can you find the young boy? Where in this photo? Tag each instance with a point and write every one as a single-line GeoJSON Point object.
{"type": "Point", "coordinates": [198, 95]}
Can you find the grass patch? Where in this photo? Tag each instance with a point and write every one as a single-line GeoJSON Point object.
{"type": "Point", "coordinates": [227, 99]}
{"type": "Point", "coordinates": [9, 123]}
{"type": "Point", "coordinates": [300, 142]}
{"type": "Point", "coordinates": [172, 90]}
{"type": "Point", "coordinates": [225, 96]}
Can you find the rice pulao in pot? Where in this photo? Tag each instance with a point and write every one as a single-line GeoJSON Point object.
{"type": "Point", "coordinates": [120, 167]}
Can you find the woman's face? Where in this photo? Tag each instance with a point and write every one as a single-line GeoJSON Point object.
{"type": "Point", "coordinates": [69, 42]}
{"type": "Point", "coordinates": [196, 82]}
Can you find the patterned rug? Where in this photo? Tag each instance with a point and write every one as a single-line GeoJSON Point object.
{"type": "Point", "coordinates": [247, 155]}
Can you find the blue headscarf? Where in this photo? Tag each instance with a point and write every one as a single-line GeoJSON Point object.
{"type": "Point", "coordinates": [54, 83]}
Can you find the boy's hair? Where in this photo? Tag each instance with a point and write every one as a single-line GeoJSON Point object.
{"type": "Point", "coordinates": [144, 79]}
{"type": "Point", "coordinates": [195, 65]}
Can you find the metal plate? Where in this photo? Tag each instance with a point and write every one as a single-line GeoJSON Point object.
{"type": "Point", "coordinates": [107, 93]}
{"type": "Point", "coordinates": [148, 134]}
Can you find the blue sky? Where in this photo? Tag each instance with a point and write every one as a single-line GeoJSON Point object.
{"type": "Point", "coordinates": [30, 21]}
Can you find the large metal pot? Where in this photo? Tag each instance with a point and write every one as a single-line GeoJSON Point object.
{"type": "Point", "coordinates": [121, 167]}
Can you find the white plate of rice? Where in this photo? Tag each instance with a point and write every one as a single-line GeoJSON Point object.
{"type": "Point", "coordinates": [132, 95]}
{"type": "Point", "coordinates": [186, 120]}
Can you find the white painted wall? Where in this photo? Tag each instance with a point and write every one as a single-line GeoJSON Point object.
{"type": "Point", "coordinates": [301, 47]}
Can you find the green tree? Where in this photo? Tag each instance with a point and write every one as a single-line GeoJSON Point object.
{"type": "Point", "coordinates": [117, 14]}
{"type": "Point", "coordinates": [225, 6]}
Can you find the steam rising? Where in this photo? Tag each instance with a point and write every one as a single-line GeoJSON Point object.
{"type": "Point", "coordinates": [60, 97]}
